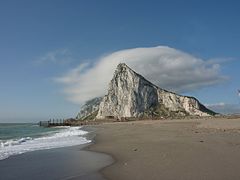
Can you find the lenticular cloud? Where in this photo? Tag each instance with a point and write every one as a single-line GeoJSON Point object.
{"type": "Point", "coordinates": [164, 66]}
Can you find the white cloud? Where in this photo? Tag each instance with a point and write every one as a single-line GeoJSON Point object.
{"type": "Point", "coordinates": [59, 56]}
{"type": "Point", "coordinates": [166, 67]}
{"type": "Point", "coordinates": [225, 108]}
{"type": "Point", "coordinates": [220, 104]}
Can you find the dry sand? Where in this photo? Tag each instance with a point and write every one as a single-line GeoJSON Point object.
{"type": "Point", "coordinates": [171, 149]}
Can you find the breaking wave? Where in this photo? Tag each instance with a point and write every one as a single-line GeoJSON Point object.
{"type": "Point", "coordinates": [69, 136]}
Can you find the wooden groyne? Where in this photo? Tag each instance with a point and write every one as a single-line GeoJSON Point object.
{"type": "Point", "coordinates": [54, 122]}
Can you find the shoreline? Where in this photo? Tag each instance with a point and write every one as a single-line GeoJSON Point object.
{"type": "Point", "coordinates": [72, 162]}
{"type": "Point", "coordinates": [147, 149]}
{"type": "Point", "coordinates": [91, 148]}
{"type": "Point", "coordinates": [170, 149]}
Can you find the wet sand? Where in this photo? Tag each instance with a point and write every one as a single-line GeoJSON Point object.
{"type": "Point", "coordinates": [171, 149]}
{"type": "Point", "coordinates": [68, 163]}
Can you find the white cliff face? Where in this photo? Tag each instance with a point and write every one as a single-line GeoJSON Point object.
{"type": "Point", "coordinates": [89, 108]}
{"type": "Point", "coordinates": [131, 95]}
{"type": "Point", "coordinates": [175, 102]}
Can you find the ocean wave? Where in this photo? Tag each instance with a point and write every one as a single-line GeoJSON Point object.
{"type": "Point", "coordinates": [13, 142]}
{"type": "Point", "coordinates": [69, 136]}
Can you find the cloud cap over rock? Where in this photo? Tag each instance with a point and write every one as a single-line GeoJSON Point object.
{"type": "Point", "coordinates": [166, 67]}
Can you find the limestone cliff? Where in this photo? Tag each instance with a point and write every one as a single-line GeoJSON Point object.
{"type": "Point", "coordinates": [131, 95]}
{"type": "Point", "coordinates": [90, 109]}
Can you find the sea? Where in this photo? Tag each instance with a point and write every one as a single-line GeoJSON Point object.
{"type": "Point", "coordinates": [18, 138]}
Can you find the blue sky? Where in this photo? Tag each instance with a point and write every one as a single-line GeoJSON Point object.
{"type": "Point", "coordinates": [42, 40]}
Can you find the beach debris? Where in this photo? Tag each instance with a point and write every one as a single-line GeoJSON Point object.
{"type": "Point", "coordinates": [135, 149]}
{"type": "Point", "coordinates": [201, 141]}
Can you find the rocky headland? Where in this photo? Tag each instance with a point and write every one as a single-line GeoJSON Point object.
{"type": "Point", "coordinates": [131, 96]}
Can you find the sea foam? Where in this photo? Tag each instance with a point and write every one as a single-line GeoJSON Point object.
{"type": "Point", "coordinates": [69, 136]}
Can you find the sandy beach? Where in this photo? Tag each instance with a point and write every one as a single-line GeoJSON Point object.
{"type": "Point", "coordinates": [171, 149]}
{"type": "Point", "coordinates": [193, 149]}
